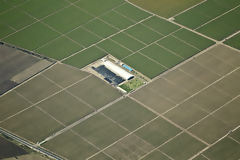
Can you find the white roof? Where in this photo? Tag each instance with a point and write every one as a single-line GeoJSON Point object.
{"type": "Point", "coordinates": [118, 70]}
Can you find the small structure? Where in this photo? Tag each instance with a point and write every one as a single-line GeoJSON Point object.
{"type": "Point", "coordinates": [118, 70]}
{"type": "Point", "coordinates": [127, 67]}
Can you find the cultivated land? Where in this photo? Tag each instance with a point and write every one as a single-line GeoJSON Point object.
{"type": "Point", "coordinates": [189, 112]}
{"type": "Point", "coordinates": [165, 8]}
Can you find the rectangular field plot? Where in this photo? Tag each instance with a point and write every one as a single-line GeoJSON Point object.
{"type": "Point", "coordinates": [35, 36]}
{"type": "Point", "coordinates": [175, 148]}
{"type": "Point", "coordinates": [114, 49]}
{"type": "Point", "coordinates": [156, 155]}
{"type": "Point", "coordinates": [210, 129]}
{"type": "Point", "coordinates": [234, 41]}
{"type": "Point", "coordinates": [169, 90]}
{"type": "Point", "coordinates": [100, 130]}
{"type": "Point", "coordinates": [96, 7]}
{"type": "Point", "coordinates": [39, 86]}
{"type": "Point", "coordinates": [153, 99]}
{"type": "Point", "coordinates": [143, 34]}
{"type": "Point", "coordinates": [230, 84]}
{"type": "Point", "coordinates": [32, 124]}
{"type": "Point", "coordinates": [165, 8]}
{"type": "Point", "coordinates": [65, 75]}
{"type": "Point", "coordinates": [129, 114]}
{"type": "Point", "coordinates": [160, 25]}
{"type": "Point", "coordinates": [226, 54]}
{"type": "Point", "coordinates": [236, 134]}
{"type": "Point", "coordinates": [130, 147]}
{"type": "Point", "coordinates": [117, 20]}
{"type": "Point", "coordinates": [67, 19]}
{"type": "Point", "coordinates": [157, 132]}
{"type": "Point", "coordinates": [210, 99]}
{"type": "Point", "coordinates": [205, 12]}
{"type": "Point", "coordinates": [196, 70]}
{"type": "Point", "coordinates": [95, 92]}
{"type": "Point", "coordinates": [178, 47]}
{"type": "Point", "coordinates": [84, 37]}
{"type": "Point", "coordinates": [59, 48]}
{"type": "Point", "coordinates": [229, 114]}
{"type": "Point", "coordinates": [100, 28]}
{"type": "Point", "coordinates": [85, 57]}
{"type": "Point", "coordinates": [18, 20]}
{"type": "Point", "coordinates": [65, 108]}
{"type": "Point", "coordinates": [5, 30]}
{"type": "Point", "coordinates": [35, 8]}
{"type": "Point", "coordinates": [10, 104]}
{"type": "Point", "coordinates": [128, 41]}
{"type": "Point", "coordinates": [161, 55]}
{"type": "Point", "coordinates": [186, 114]}
{"type": "Point", "coordinates": [132, 12]}
{"type": "Point", "coordinates": [214, 64]}
{"type": "Point", "coordinates": [190, 84]}
{"type": "Point", "coordinates": [223, 26]}
{"type": "Point", "coordinates": [71, 146]}
{"type": "Point", "coordinates": [193, 39]}
{"type": "Point", "coordinates": [101, 156]}
{"type": "Point", "coordinates": [224, 149]}
{"type": "Point", "coordinates": [144, 65]}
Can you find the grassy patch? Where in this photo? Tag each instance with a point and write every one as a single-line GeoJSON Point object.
{"type": "Point", "coordinates": [132, 84]}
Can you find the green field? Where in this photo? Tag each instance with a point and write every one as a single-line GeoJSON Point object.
{"type": "Point", "coordinates": [165, 8]}
{"type": "Point", "coordinates": [205, 12]}
{"type": "Point", "coordinates": [229, 23]}
{"type": "Point", "coordinates": [234, 41]}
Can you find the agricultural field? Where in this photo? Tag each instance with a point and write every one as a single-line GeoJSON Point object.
{"type": "Point", "coordinates": [187, 51]}
{"type": "Point", "coordinates": [216, 19]}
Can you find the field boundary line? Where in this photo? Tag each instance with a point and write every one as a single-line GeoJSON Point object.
{"type": "Point", "coordinates": [201, 90]}
{"type": "Point", "coordinates": [39, 73]}
{"type": "Point", "coordinates": [173, 123]}
{"type": "Point", "coordinates": [198, 4]}
{"type": "Point", "coordinates": [120, 31]}
{"type": "Point", "coordinates": [46, 98]}
{"type": "Point", "coordinates": [217, 17]}
{"type": "Point", "coordinates": [122, 138]}
{"type": "Point", "coordinates": [201, 152]}
{"type": "Point", "coordinates": [189, 29]}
